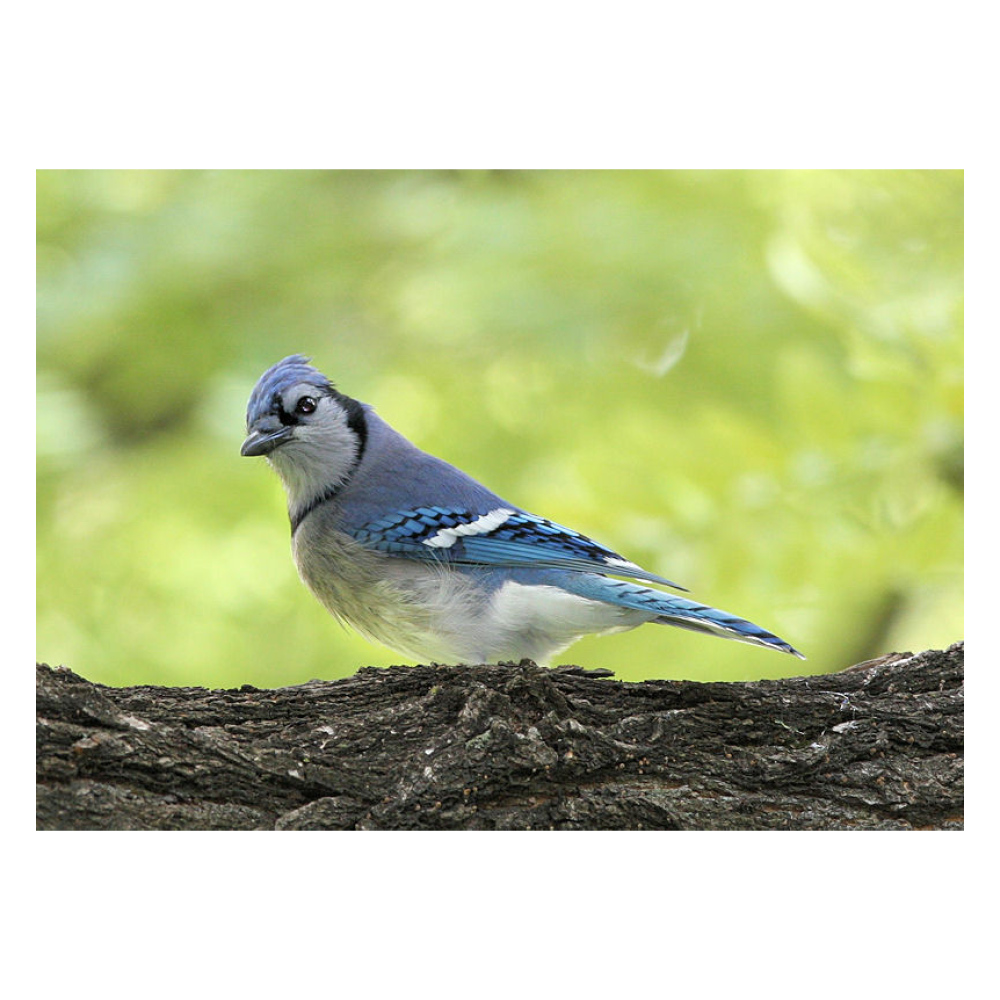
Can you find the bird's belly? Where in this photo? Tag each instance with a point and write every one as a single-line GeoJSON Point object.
{"type": "Point", "coordinates": [410, 607]}
{"type": "Point", "coordinates": [445, 615]}
{"type": "Point", "coordinates": [538, 621]}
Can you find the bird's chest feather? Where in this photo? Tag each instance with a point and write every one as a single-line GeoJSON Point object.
{"type": "Point", "coordinates": [395, 601]}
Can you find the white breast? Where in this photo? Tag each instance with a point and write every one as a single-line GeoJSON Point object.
{"type": "Point", "coordinates": [434, 614]}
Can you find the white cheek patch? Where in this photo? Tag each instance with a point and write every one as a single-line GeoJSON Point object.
{"type": "Point", "coordinates": [447, 537]}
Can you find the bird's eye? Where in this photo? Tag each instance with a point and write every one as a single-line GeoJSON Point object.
{"type": "Point", "coordinates": [305, 405]}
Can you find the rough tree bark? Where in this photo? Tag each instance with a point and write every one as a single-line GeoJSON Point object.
{"type": "Point", "coordinates": [878, 746]}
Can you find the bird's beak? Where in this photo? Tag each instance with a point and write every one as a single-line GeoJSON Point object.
{"type": "Point", "coordinates": [264, 438]}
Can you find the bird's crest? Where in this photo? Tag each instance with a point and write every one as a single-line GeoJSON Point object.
{"type": "Point", "coordinates": [289, 371]}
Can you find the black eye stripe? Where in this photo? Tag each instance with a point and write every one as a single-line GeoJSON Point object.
{"type": "Point", "coordinates": [278, 408]}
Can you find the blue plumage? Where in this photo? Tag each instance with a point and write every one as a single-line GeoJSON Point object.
{"type": "Point", "coordinates": [670, 609]}
{"type": "Point", "coordinates": [416, 554]}
{"type": "Point", "coordinates": [519, 539]}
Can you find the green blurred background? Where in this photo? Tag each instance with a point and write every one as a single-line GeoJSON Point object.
{"type": "Point", "coordinates": [750, 382]}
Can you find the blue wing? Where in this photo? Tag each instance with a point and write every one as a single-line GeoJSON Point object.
{"type": "Point", "coordinates": [501, 537]}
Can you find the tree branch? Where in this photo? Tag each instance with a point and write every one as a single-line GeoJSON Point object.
{"type": "Point", "coordinates": [878, 746]}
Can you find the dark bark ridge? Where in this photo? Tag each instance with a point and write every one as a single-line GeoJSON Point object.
{"type": "Point", "coordinates": [878, 746]}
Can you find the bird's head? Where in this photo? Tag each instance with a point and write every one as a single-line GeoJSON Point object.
{"type": "Point", "coordinates": [312, 434]}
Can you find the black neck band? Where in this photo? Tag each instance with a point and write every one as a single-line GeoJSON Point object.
{"type": "Point", "coordinates": [317, 501]}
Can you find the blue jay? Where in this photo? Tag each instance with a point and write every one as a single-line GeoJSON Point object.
{"type": "Point", "coordinates": [415, 554]}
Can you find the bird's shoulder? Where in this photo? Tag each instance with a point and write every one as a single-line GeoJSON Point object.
{"type": "Point", "coordinates": [405, 502]}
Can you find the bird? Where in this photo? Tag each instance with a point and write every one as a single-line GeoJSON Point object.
{"type": "Point", "coordinates": [417, 555]}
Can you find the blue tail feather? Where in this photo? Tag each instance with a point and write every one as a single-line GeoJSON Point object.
{"type": "Point", "coordinates": [668, 609]}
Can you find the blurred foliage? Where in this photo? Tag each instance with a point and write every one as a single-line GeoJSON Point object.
{"type": "Point", "coordinates": [750, 382]}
